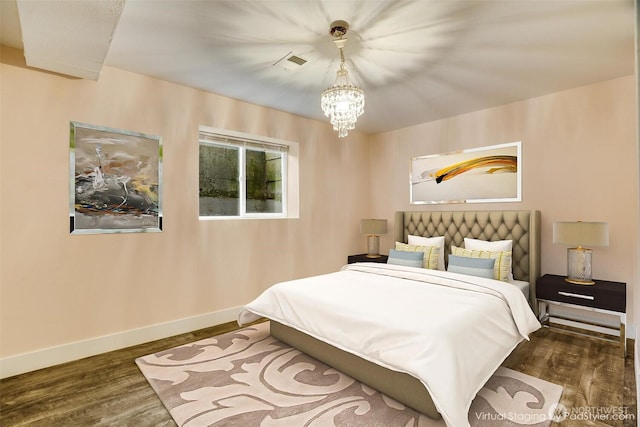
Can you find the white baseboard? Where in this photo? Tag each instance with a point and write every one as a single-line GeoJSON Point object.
{"type": "Point", "coordinates": [636, 365]}
{"type": "Point", "coordinates": [51, 356]}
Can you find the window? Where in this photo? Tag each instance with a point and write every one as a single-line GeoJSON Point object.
{"type": "Point", "coordinates": [242, 175]}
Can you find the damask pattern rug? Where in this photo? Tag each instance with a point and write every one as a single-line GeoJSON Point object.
{"type": "Point", "coordinates": [248, 378]}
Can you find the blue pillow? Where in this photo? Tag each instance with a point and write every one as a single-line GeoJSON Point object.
{"type": "Point", "coordinates": [481, 267]}
{"type": "Point", "coordinates": [409, 259]}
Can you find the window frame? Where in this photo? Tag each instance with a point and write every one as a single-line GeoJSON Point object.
{"type": "Point", "coordinates": [243, 142]}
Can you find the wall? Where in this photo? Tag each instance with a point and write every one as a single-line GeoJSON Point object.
{"type": "Point", "coordinates": [579, 156]}
{"type": "Point", "coordinates": [636, 300]}
{"type": "Point", "coordinates": [59, 289]}
{"type": "Point", "coordinates": [56, 289]}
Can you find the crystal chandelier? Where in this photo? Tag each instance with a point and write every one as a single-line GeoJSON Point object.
{"type": "Point", "coordinates": [343, 102]}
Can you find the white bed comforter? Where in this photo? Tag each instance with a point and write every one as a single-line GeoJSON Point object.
{"type": "Point", "coordinates": [449, 330]}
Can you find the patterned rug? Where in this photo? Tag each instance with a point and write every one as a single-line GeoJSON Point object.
{"type": "Point", "coordinates": [247, 378]}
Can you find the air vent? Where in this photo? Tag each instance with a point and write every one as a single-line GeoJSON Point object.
{"type": "Point", "coordinates": [297, 60]}
{"type": "Point", "coordinates": [290, 62]}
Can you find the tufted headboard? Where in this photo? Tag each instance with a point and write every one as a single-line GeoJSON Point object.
{"type": "Point", "coordinates": [522, 227]}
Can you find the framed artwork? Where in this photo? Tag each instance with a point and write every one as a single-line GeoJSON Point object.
{"type": "Point", "coordinates": [115, 181]}
{"type": "Point", "coordinates": [486, 174]}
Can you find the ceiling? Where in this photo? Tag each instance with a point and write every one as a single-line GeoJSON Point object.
{"type": "Point", "coordinates": [417, 60]}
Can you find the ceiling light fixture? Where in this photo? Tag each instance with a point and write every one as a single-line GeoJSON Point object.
{"type": "Point", "coordinates": [343, 102]}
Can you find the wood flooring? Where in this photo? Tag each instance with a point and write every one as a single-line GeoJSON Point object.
{"type": "Point", "coordinates": [109, 390]}
{"type": "Point", "coordinates": [597, 381]}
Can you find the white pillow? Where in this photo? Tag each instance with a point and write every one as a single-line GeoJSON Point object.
{"type": "Point", "coordinates": [430, 241]}
{"type": "Point", "coordinates": [494, 246]}
{"type": "Point", "coordinates": [483, 245]}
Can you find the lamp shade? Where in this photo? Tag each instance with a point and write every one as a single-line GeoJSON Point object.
{"type": "Point", "coordinates": [373, 226]}
{"type": "Point", "coordinates": [581, 233]}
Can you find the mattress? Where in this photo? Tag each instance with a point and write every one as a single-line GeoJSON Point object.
{"type": "Point", "coordinates": [523, 286]}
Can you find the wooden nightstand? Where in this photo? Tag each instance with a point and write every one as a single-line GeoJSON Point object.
{"type": "Point", "coordinates": [604, 297]}
{"type": "Point", "coordinates": [363, 258]}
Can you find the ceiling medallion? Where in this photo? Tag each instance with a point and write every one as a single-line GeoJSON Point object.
{"type": "Point", "coordinates": [343, 102]}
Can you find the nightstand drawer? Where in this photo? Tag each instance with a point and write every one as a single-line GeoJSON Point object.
{"type": "Point", "coordinates": [364, 258]}
{"type": "Point", "coordinates": [604, 295]}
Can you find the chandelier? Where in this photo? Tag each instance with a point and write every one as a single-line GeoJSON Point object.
{"type": "Point", "coordinates": [343, 102]}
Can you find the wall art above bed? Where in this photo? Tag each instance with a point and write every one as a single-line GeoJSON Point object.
{"type": "Point", "coordinates": [485, 174]}
{"type": "Point", "coordinates": [115, 181]}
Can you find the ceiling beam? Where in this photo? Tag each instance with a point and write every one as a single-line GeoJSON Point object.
{"type": "Point", "coordinates": [68, 37]}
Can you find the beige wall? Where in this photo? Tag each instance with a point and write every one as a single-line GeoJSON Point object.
{"type": "Point", "coordinates": [58, 288]}
{"type": "Point", "coordinates": [580, 162]}
{"type": "Point", "coordinates": [579, 154]}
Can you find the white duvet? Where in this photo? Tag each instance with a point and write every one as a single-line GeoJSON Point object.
{"type": "Point", "coordinates": [449, 330]}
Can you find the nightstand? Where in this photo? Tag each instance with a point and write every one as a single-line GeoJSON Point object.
{"type": "Point", "coordinates": [363, 258]}
{"type": "Point", "coordinates": [604, 297]}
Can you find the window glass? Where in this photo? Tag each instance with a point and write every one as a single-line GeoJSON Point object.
{"type": "Point", "coordinates": [263, 171]}
{"type": "Point", "coordinates": [219, 185]}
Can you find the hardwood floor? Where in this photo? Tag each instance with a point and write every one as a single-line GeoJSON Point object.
{"type": "Point", "coordinates": [103, 390]}
{"type": "Point", "coordinates": [595, 377]}
{"type": "Point", "coordinates": [108, 389]}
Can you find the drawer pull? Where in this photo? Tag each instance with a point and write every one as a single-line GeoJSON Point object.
{"type": "Point", "coordinates": [569, 294]}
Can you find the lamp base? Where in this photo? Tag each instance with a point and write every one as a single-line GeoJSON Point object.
{"type": "Point", "coordinates": [580, 282]}
{"type": "Point", "coordinates": [579, 266]}
{"type": "Point", "coordinates": [373, 246]}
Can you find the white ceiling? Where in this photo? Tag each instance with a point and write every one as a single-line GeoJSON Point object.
{"type": "Point", "coordinates": [417, 60]}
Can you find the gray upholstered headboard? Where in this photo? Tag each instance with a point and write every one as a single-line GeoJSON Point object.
{"type": "Point", "coordinates": [522, 227]}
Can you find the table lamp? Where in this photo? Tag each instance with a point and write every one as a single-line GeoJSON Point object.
{"type": "Point", "coordinates": [373, 227]}
{"type": "Point", "coordinates": [579, 258]}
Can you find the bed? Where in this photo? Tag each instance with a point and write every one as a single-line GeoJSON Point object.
{"type": "Point", "coordinates": [366, 351]}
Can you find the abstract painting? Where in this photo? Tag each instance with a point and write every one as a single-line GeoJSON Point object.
{"type": "Point", "coordinates": [486, 174]}
{"type": "Point", "coordinates": [115, 181]}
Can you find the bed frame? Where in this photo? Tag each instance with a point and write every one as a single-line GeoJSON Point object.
{"type": "Point", "coordinates": [523, 227]}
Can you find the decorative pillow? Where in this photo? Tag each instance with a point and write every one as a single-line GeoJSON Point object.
{"type": "Point", "coordinates": [409, 259]}
{"type": "Point", "coordinates": [494, 246]}
{"type": "Point", "coordinates": [430, 241]}
{"type": "Point", "coordinates": [501, 267]}
{"type": "Point", "coordinates": [431, 253]}
{"type": "Point", "coordinates": [472, 266]}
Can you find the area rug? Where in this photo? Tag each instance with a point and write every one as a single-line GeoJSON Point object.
{"type": "Point", "coordinates": [248, 378]}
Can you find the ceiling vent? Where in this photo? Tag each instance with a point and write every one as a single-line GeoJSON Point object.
{"type": "Point", "coordinates": [297, 60]}
{"type": "Point", "coordinates": [290, 62]}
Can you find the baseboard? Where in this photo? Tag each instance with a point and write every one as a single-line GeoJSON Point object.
{"type": "Point", "coordinates": [27, 362]}
{"type": "Point", "coordinates": [636, 365]}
